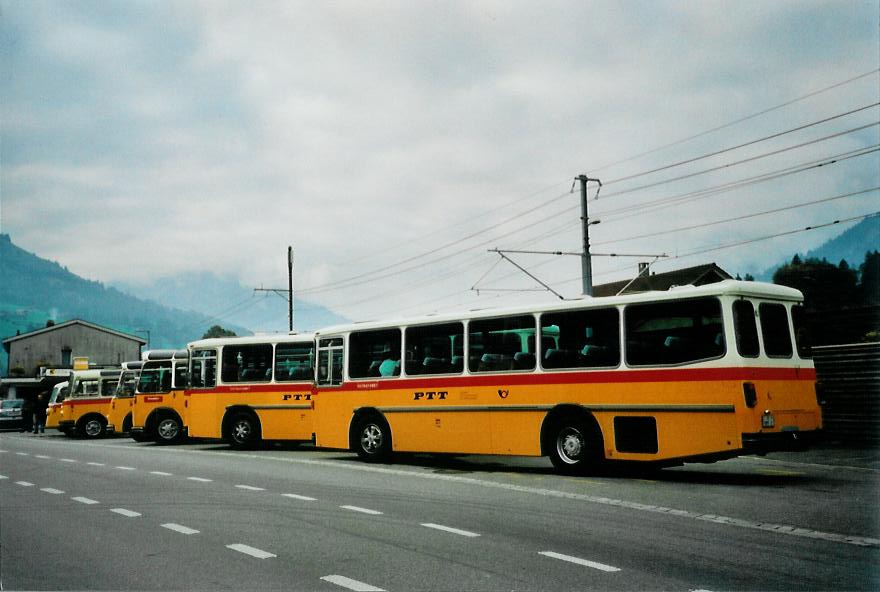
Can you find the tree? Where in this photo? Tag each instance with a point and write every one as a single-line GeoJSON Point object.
{"type": "Point", "coordinates": [869, 276]}
{"type": "Point", "coordinates": [824, 285]}
{"type": "Point", "coordinates": [218, 331]}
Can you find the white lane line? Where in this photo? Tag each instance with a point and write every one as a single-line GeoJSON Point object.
{"type": "Point", "coordinates": [67, 460]}
{"type": "Point", "coordinates": [22, 454]}
{"type": "Point", "coordinates": [3, 477]}
{"type": "Point", "coordinates": [96, 464]}
{"type": "Point", "coordinates": [161, 473]}
{"type": "Point", "coordinates": [180, 528]}
{"type": "Point", "coordinates": [43, 456]}
{"type": "Point", "coordinates": [3, 451]}
{"type": "Point", "coordinates": [52, 490]}
{"type": "Point", "coordinates": [458, 531]}
{"type": "Point", "coordinates": [351, 584]}
{"type": "Point", "coordinates": [200, 479]}
{"type": "Point", "coordinates": [579, 561]}
{"type": "Point", "coordinates": [126, 513]}
{"type": "Point", "coordinates": [24, 483]}
{"type": "Point", "coordinates": [126, 468]}
{"type": "Point", "coordinates": [362, 510]}
{"type": "Point", "coordinates": [85, 500]}
{"type": "Point", "coordinates": [251, 488]}
{"type": "Point", "coordinates": [303, 498]}
{"type": "Point", "coordinates": [252, 551]}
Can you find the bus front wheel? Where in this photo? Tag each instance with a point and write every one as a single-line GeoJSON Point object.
{"type": "Point", "coordinates": [574, 447]}
{"type": "Point", "coordinates": [168, 430]}
{"type": "Point", "coordinates": [92, 427]}
{"type": "Point", "coordinates": [243, 431]}
{"type": "Point", "coordinates": [372, 439]}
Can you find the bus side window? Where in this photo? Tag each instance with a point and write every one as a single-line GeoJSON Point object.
{"type": "Point", "coordinates": [373, 354]}
{"type": "Point", "coordinates": [581, 339]}
{"type": "Point", "coordinates": [774, 330]}
{"type": "Point", "coordinates": [803, 338]}
{"type": "Point", "coordinates": [676, 332]}
{"type": "Point", "coordinates": [498, 345]}
{"type": "Point", "coordinates": [746, 329]}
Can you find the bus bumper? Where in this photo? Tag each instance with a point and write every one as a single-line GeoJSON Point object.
{"type": "Point", "coordinates": [762, 443]}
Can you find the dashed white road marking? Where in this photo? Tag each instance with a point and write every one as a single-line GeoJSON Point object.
{"type": "Point", "coordinates": [351, 584]}
{"type": "Point", "coordinates": [3, 477]}
{"type": "Point", "coordinates": [303, 498]}
{"type": "Point", "coordinates": [52, 490]}
{"type": "Point", "coordinates": [24, 483]}
{"type": "Point", "coordinates": [200, 479]}
{"type": "Point", "coordinates": [126, 513]}
{"type": "Point", "coordinates": [362, 510]}
{"type": "Point", "coordinates": [126, 468]}
{"type": "Point", "coordinates": [457, 531]}
{"type": "Point", "coordinates": [252, 551]}
{"type": "Point", "coordinates": [96, 464]}
{"type": "Point", "coordinates": [161, 473]}
{"type": "Point", "coordinates": [180, 528]}
{"type": "Point", "coordinates": [85, 500]}
{"type": "Point", "coordinates": [579, 561]}
{"type": "Point", "coordinates": [67, 460]}
{"type": "Point", "coordinates": [43, 456]}
{"type": "Point", "coordinates": [22, 454]}
{"type": "Point", "coordinates": [251, 488]}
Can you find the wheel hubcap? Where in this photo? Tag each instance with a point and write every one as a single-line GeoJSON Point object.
{"type": "Point", "coordinates": [570, 445]}
{"type": "Point", "coordinates": [167, 429]}
{"type": "Point", "coordinates": [371, 438]}
{"type": "Point", "coordinates": [93, 428]}
{"type": "Point", "coordinates": [241, 431]}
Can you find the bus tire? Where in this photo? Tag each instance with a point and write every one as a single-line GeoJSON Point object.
{"type": "Point", "coordinates": [243, 431]}
{"type": "Point", "coordinates": [371, 438]}
{"type": "Point", "coordinates": [168, 429]}
{"type": "Point", "coordinates": [574, 446]}
{"type": "Point", "coordinates": [91, 426]}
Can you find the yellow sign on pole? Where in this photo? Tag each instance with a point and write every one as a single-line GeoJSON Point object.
{"type": "Point", "coordinates": [81, 363]}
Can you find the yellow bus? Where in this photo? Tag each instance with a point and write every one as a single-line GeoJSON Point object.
{"type": "Point", "coordinates": [690, 374]}
{"type": "Point", "coordinates": [119, 414]}
{"type": "Point", "coordinates": [248, 389]}
{"type": "Point", "coordinates": [158, 410]}
{"type": "Point", "coordinates": [53, 410]}
{"type": "Point", "coordinates": [86, 406]}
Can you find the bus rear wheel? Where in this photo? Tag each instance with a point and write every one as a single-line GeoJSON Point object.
{"type": "Point", "coordinates": [574, 447]}
{"type": "Point", "coordinates": [372, 439]}
{"type": "Point", "coordinates": [243, 431]}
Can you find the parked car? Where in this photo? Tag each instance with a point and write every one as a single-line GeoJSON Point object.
{"type": "Point", "coordinates": [11, 414]}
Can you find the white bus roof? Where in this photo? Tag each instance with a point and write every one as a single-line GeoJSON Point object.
{"type": "Point", "coordinates": [723, 288]}
{"type": "Point", "coordinates": [252, 340]}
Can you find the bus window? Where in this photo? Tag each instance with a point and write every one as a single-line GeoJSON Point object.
{"type": "Point", "coordinates": [294, 361]}
{"type": "Point", "coordinates": [774, 330]}
{"type": "Point", "coordinates": [435, 349]}
{"type": "Point", "coordinates": [373, 354]}
{"type": "Point", "coordinates": [330, 362]}
{"type": "Point", "coordinates": [580, 339]}
{"type": "Point", "coordinates": [204, 368]}
{"type": "Point", "coordinates": [746, 329]}
{"type": "Point", "coordinates": [155, 377]}
{"type": "Point", "coordinates": [501, 344]}
{"type": "Point", "coordinates": [247, 363]}
{"type": "Point", "coordinates": [803, 339]}
{"type": "Point", "coordinates": [180, 375]}
{"type": "Point", "coordinates": [679, 332]}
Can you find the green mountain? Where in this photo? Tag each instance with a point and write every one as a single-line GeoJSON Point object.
{"type": "Point", "coordinates": [852, 245]}
{"type": "Point", "coordinates": [34, 290]}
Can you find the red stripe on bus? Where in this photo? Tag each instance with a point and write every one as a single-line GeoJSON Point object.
{"type": "Point", "coordinates": [596, 377]}
{"type": "Point", "coordinates": [86, 402]}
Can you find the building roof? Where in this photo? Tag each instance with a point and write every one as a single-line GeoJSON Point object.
{"type": "Point", "coordinates": [9, 340]}
{"type": "Point", "coordinates": [699, 275]}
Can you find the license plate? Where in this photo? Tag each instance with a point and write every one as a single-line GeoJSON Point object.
{"type": "Point", "coordinates": [767, 421]}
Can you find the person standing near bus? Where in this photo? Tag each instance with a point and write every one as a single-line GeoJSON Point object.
{"type": "Point", "coordinates": [40, 406]}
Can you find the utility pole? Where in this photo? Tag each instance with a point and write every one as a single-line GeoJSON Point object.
{"type": "Point", "coordinates": [289, 291]}
{"type": "Point", "coordinates": [586, 260]}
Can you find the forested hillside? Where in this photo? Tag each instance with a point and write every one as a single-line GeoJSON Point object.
{"type": "Point", "coordinates": [34, 290]}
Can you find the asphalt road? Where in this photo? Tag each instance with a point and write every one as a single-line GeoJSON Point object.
{"type": "Point", "coordinates": [118, 515]}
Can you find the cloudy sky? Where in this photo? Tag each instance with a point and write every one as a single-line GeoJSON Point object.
{"type": "Point", "coordinates": [393, 143]}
